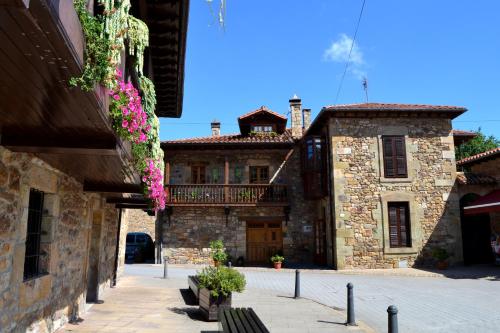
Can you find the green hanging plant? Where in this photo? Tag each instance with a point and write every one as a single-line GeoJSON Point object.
{"type": "Point", "coordinates": [138, 36]}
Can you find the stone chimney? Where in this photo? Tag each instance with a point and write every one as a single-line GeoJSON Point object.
{"type": "Point", "coordinates": [296, 111]}
{"type": "Point", "coordinates": [307, 118]}
{"type": "Point", "coordinates": [215, 128]}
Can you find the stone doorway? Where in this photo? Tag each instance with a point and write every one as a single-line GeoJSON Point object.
{"type": "Point", "coordinates": [94, 255]}
{"type": "Point", "coordinates": [264, 239]}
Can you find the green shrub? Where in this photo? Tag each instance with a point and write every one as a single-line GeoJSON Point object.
{"type": "Point", "coordinates": [221, 280]}
{"type": "Point", "coordinates": [440, 254]}
{"type": "Point", "coordinates": [277, 258]}
{"type": "Point", "coordinates": [218, 253]}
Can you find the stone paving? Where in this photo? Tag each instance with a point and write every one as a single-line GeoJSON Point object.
{"type": "Point", "coordinates": [143, 302]}
{"type": "Point", "coordinates": [467, 301]}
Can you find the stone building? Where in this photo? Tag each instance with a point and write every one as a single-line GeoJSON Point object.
{"type": "Point", "coordinates": [367, 186]}
{"type": "Point", "coordinates": [479, 189]}
{"type": "Point", "coordinates": [65, 175]}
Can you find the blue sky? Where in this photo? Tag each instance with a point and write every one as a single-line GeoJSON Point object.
{"type": "Point", "coordinates": [426, 51]}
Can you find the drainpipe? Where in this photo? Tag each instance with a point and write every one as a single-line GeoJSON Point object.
{"type": "Point", "coordinates": [331, 193]}
{"type": "Point", "coordinates": [117, 250]}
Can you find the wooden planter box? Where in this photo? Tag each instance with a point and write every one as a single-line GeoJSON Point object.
{"type": "Point", "coordinates": [210, 306]}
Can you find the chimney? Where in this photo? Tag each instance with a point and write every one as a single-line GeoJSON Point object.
{"type": "Point", "coordinates": [307, 118]}
{"type": "Point", "coordinates": [296, 111]}
{"type": "Point", "coordinates": [215, 128]}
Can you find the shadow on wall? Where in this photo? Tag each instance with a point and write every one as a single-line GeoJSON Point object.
{"type": "Point", "coordinates": [463, 238]}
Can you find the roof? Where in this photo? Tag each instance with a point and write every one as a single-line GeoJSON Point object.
{"type": "Point", "coordinates": [263, 108]}
{"type": "Point", "coordinates": [385, 110]}
{"type": "Point", "coordinates": [469, 178]}
{"type": "Point", "coordinates": [461, 137]}
{"type": "Point", "coordinates": [393, 107]}
{"type": "Point", "coordinates": [481, 157]}
{"type": "Point", "coordinates": [486, 204]}
{"type": "Point", "coordinates": [235, 140]}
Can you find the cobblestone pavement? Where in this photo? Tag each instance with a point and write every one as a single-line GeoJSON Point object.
{"type": "Point", "coordinates": [143, 302]}
{"type": "Point", "coordinates": [426, 304]}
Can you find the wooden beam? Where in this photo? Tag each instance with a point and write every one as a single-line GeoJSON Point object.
{"type": "Point", "coordinates": [111, 188]}
{"type": "Point", "coordinates": [130, 206]}
{"type": "Point", "coordinates": [120, 200]}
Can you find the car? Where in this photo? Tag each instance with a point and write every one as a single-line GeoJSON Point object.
{"type": "Point", "coordinates": [139, 247]}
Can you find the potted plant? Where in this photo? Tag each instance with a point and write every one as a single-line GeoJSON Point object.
{"type": "Point", "coordinates": [216, 287]}
{"type": "Point", "coordinates": [219, 256]}
{"type": "Point", "coordinates": [277, 261]}
{"type": "Point", "coordinates": [441, 255]}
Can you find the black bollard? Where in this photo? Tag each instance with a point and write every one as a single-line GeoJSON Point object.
{"type": "Point", "coordinates": [350, 306]}
{"type": "Point", "coordinates": [165, 267]}
{"type": "Point", "coordinates": [297, 284]}
{"type": "Point", "coordinates": [393, 319]}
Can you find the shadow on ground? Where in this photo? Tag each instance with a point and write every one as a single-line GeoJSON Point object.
{"type": "Point", "coordinates": [188, 297]}
{"type": "Point", "coordinates": [487, 272]}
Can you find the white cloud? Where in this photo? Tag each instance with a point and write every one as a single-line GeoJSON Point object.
{"type": "Point", "coordinates": [339, 52]}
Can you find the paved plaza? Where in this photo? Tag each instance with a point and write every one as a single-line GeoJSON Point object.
{"type": "Point", "coordinates": [427, 301]}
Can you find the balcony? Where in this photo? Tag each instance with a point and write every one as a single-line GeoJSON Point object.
{"type": "Point", "coordinates": [226, 195]}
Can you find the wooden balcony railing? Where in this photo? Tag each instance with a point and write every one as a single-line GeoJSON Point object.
{"type": "Point", "coordinates": [221, 194]}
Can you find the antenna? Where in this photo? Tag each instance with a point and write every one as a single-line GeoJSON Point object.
{"type": "Point", "coordinates": [365, 87]}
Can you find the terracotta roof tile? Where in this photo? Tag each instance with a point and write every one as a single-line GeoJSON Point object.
{"type": "Point", "coordinates": [479, 157]}
{"type": "Point", "coordinates": [393, 107]}
{"type": "Point", "coordinates": [462, 133]}
{"type": "Point", "coordinates": [286, 137]}
{"type": "Point", "coordinates": [468, 178]}
{"type": "Point", "coordinates": [262, 109]}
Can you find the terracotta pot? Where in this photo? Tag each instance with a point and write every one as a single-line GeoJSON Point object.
{"type": "Point", "coordinates": [216, 263]}
{"type": "Point", "coordinates": [277, 265]}
{"type": "Point", "coordinates": [442, 265]}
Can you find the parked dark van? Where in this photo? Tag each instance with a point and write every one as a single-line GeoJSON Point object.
{"type": "Point", "coordinates": [139, 247]}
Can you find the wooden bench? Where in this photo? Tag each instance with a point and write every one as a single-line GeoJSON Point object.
{"type": "Point", "coordinates": [193, 283]}
{"type": "Point", "coordinates": [240, 320]}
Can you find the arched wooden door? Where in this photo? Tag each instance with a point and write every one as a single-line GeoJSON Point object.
{"type": "Point", "coordinates": [264, 239]}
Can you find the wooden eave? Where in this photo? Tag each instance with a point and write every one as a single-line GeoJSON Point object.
{"type": "Point", "coordinates": [42, 48]}
{"type": "Point", "coordinates": [167, 21]}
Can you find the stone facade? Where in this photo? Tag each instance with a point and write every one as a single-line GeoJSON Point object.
{"type": "Point", "coordinates": [186, 239]}
{"type": "Point", "coordinates": [139, 221]}
{"type": "Point", "coordinates": [45, 303]}
{"type": "Point", "coordinates": [361, 192]}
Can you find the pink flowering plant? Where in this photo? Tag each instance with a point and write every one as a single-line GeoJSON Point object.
{"type": "Point", "coordinates": [153, 179]}
{"type": "Point", "coordinates": [129, 119]}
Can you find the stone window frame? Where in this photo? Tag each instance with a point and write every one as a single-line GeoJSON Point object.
{"type": "Point", "coordinates": [394, 131]}
{"type": "Point", "coordinates": [415, 224]}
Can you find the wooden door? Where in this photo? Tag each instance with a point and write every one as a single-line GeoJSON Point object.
{"type": "Point", "coordinates": [320, 242]}
{"type": "Point", "coordinates": [264, 239]}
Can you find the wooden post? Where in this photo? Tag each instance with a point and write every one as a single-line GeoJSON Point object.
{"type": "Point", "coordinates": [166, 176]}
{"type": "Point", "coordinates": [226, 180]}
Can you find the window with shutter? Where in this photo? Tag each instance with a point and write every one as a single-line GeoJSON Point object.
{"type": "Point", "coordinates": [399, 224]}
{"type": "Point", "coordinates": [394, 153]}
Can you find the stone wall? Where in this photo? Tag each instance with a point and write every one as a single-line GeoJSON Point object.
{"type": "Point", "coordinates": [45, 303]}
{"type": "Point", "coordinates": [362, 192]}
{"type": "Point", "coordinates": [139, 221]}
{"type": "Point", "coordinates": [186, 239]}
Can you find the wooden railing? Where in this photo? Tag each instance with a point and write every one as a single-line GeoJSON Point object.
{"type": "Point", "coordinates": [218, 194]}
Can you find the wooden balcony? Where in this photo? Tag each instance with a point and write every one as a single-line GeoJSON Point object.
{"type": "Point", "coordinates": [226, 195]}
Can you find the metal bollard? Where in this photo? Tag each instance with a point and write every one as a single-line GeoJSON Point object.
{"type": "Point", "coordinates": [165, 267]}
{"type": "Point", "coordinates": [297, 284]}
{"type": "Point", "coordinates": [350, 306]}
{"type": "Point", "coordinates": [393, 319]}
{"type": "Point", "coordinates": [229, 264]}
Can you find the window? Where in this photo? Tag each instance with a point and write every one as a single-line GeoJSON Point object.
{"type": "Point", "coordinates": [394, 157]}
{"type": "Point", "coordinates": [198, 174]}
{"type": "Point", "coordinates": [216, 175]}
{"type": "Point", "coordinates": [259, 174]}
{"type": "Point", "coordinates": [399, 224]}
{"type": "Point", "coordinates": [262, 128]}
{"type": "Point", "coordinates": [33, 235]}
{"type": "Point", "coordinates": [314, 167]}
{"type": "Point", "coordinates": [238, 175]}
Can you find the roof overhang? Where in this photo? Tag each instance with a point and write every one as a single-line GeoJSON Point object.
{"type": "Point", "coordinates": [486, 204]}
{"type": "Point", "coordinates": [226, 146]}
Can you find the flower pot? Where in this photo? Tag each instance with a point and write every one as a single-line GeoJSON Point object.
{"type": "Point", "coordinates": [216, 263]}
{"type": "Point", "coordinates": [210, 306]}
{"type": "Point", "coordinates": [277, 265]}
{"type": "Point", "coordinates": [442, 265]}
